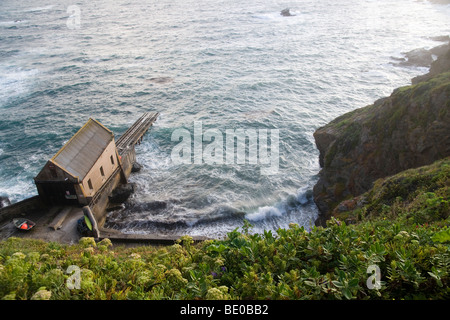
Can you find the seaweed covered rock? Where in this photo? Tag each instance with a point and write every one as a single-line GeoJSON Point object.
{"type": "Point", "coordinates": [122, 193]}
{"type": "Point", "coordinates": [286, 13]}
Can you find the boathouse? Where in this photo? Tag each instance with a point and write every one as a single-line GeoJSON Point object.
{"type": "Point", "coordinates": [80, 168]}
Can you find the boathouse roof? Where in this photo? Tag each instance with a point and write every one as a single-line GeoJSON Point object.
{"type": "Point", "coordinates": [81, 152]}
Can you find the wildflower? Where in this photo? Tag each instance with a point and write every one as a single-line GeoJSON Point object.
{"type": "Point", "coordinates": [89, 251]}
{"type": "Point", "coordinates": [33, 256]}
{"type": "Point", "coordinates": [176, 248]}
{"type": "Point", "coordinates": [87, 279]}
{"type": "Point", "coordinates": [186, 240]}
{"type": "Point", "coordinates": [11, 296]}
{"type": "Point", "coordinates": [220, 293]}
{"type": "Point", "coordinates": [135, 256]}
{"type": "Point", "coordinates": [160, 267]}
{"type": "Point", "coordinates": [42, 294]}
{"type": "Point", "coordinates": [219, 262]}
{"type": "Point", "coordinates": [45, 256]}
{"type": "Point", "coordinates": [143, 277]}
{"type": "Point", "coordinates": [87, 242]}
{"type": "Point", "coordinates": [402, 235]}
{"type": "Point", "coordinates": [18, 255]}
{"type": "Point", "coordinates": [174, 276]}
{"type": "Point", "coordinates": [337, 222]}
{"type": "Point", "coordinates": [104, 244]}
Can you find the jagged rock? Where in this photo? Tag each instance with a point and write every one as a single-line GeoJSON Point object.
{"type": "Point", "coordinates": [4, 202]}
{"type": "Point", "coordinates": [422, 57]}
{"type": "Point", "coordinates": [438, 66]}
{"type": "Point", "coordinates": [160, 80]}
{"type": "Point", "coordinates": [441, 38]}
{"type": "Point", "coordinates": [286, 13]}
{"type": "Point", "coordinates": [419, 57]}
{"type": "Point", "coordinates": [122, 193]}
{"type": "Point", "coordinates": [136, 167]}
{"type": "Point", "coordinates": [154, 205]}
{"type": "Point", "coordinates": [406, 130]}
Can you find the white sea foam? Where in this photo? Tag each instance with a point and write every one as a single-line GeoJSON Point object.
{"type": "Point", "coordinates": [264, 213]}
{"type": "Point", "coordinates": [15, 82]}
{"type": "Point", "coordinates": [17, 190]}
{"type": "Point", "coordinates": [291, 202]}
{"type": "Point", "coordinates": [12, 23]}
{"type": "Point", "coordinates": [44, 8]}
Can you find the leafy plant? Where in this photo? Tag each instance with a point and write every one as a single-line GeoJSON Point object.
{"type": "Point", "coordinates": [442, 236]}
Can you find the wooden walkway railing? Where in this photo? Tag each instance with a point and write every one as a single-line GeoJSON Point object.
{"type": "Point", "coordinates": [135, 133]}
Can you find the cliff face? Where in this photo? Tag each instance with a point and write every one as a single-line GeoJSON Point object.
{"type": "Point", "coordinates": [411, 128]}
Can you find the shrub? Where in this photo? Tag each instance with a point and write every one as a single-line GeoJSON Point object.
{"type": "Point", "coordinates": [379, 258]}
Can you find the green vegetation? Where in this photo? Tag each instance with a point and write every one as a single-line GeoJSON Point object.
{"type": "Point", "coordinates": [400, 235]}
{"type": "Point", "coordinates": [326, 263]}
{"type": "Point", "coordinates": [420, 195]}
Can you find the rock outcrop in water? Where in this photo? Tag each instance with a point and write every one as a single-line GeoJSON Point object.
{"type": "Point", "coordinates": [423, 57]}
{"type": "Point", "coordinates": [122, 193]}
{"type": "Point", "coordinates": [406, 130]}
{"type": "Point", "coordinates": [286, 13]}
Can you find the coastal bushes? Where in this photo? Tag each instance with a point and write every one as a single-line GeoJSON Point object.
{"type": "Point", "coordinates": [376, 259]}
{"type": "Point", "coordinates": [397, 247]}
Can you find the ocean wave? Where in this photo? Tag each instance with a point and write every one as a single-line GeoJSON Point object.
{"type": "Point", "coordinates": [64, 89]}
{"type": "Point", "coordinates": [282, 208]}
{"type": "Point", "coordinates": [264, 213]}
{"type": "Point", "coordinates": [15, 82]}
{"type": "Point", "coordinates": [12, 23]}
{"type": "Point", "coordinates": [38, 9]}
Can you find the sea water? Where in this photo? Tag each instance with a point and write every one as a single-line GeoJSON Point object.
{"type": "Point", "coordinates": [228, 65]}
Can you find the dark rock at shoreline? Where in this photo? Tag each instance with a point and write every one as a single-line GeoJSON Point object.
{"type": "Point", "coordinates": [441, 38]}
{"type": "Point", "coordinates": [440, 1]}
{"type": "Point", "coordinates": [136, 167]}
{"type": "Point", "coordinates": [406, 130]}
{"type": "Point", "coordinates": [423, 57]}
{"type": "Point", "coordinates": [418, 57]}
{"type": "Point", "coordinates": [438, 66]}
{"type": "Point", "coordinates": [154, 205]}
{"type": "Point", "coordinates": [122, 193]}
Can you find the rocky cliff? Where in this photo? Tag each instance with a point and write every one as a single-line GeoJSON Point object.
{"type": "Point", "coordinates": [408, 129]}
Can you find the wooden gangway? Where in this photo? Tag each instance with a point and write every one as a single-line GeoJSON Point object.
{"type": "Point", "coordinates": [135, 133]}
